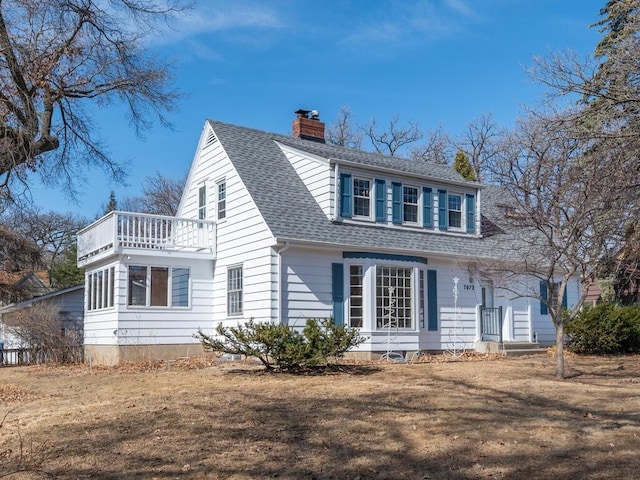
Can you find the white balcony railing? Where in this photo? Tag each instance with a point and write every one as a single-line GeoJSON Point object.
{"type": "Point", "coordinates": [124, 230]}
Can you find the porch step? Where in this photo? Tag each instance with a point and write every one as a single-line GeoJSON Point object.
{"type": "Point", "coordinates": [511, 348]}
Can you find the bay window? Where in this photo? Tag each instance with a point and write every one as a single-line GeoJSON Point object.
{"type": "Point", "coordinates": [394, 297]}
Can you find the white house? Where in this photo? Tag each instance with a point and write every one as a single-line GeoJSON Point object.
{"type": "Point", "coordinates": [285, 228]}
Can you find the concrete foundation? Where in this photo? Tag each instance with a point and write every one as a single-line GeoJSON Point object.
{"type": "Point", "coordinates": [111, 355]}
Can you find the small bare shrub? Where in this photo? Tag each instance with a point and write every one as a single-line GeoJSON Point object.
{"type": "Point", "coordinates": [46, 333]}
{"type": "Point", "coordinates": [25, 456]}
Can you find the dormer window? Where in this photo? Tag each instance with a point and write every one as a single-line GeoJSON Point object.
{"type": "Point", "coordinates": [357, 195]}
{"type": "Point", "coordinates": [361, 198]}
{"type": "Point", "coordinates": [410, 204]}
{"type": "Point", "coordinates": [455, 211]}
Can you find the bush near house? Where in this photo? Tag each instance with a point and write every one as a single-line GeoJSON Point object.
{"type": "Point", "coordinates": [282, 346]}
{"type": "Point", "coordinates": [605, 329]}
{"type": "Point", "coordinates": [45, 334]}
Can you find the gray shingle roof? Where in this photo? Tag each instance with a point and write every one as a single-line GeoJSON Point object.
{"type": "Point", "coordinates": [292, 213]}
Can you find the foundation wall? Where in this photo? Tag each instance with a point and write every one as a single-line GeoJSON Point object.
{"type": "Point", "coordinates": [110, 355]}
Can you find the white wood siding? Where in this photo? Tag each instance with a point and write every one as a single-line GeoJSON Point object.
{"type": "Point", "coordinates": [316, 174]}
{"type": "Point", "coordinates": [458, 329]}
{"type": "Point", "coordinates": [242, 239]}
{"type": "Point", "coordinates": [306, 285]}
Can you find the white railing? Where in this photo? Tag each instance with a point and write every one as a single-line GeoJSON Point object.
{"type": "Point", "coordinates": [118, 230]}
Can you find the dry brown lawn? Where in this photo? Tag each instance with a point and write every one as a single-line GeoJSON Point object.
{"type": "Point", "coordinates": [492, 419]}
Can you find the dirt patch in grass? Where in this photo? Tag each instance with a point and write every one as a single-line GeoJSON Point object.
{"type": "Point", "coordinates": [495, 419]}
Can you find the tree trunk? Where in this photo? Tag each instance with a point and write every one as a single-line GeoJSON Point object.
{"type": "Point", "coordinates": [560, 349]}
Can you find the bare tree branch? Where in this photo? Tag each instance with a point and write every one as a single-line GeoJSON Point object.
{"type": "Point", "coordinates": [58, 55]}
{"type": "Point", "coordinates": [392, 140]}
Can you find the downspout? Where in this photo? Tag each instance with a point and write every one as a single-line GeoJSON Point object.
{"type": "Point", "coordinates": [284, 248]}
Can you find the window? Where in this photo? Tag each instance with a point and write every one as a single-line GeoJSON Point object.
{"type": "Point", "coordinates": [234, 290]}
{"type": "Point", "coordinates": [361, 198]}
{"type": "Point", "coordinates": [202, 202]}
{"type": "Point", "coordinates": [100, 289]}
{"type": "Point", "coordinates": [455, 211]}
{"type": "Point", "coordinates": [394, 305]}
{"type": "Point", "coordinates": [180, 287]}
{"type": "Point", "coordinates": [137, 286]}
{"type": "Point", "coordinates": [355, 296]}
{"type": "Point", "coordinates": [421, 293]}
{"type": "Point", "coordinates": [158, 286]}
{"type": "Point", "coordinates": [222, 199]}
{"type": "Point", "coordinates": [410, 204]}
{"type": "Point", "coordinates": [550, 298]}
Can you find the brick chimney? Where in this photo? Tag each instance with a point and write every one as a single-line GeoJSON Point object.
{"type": "Point", "coordinates": [308, 126]}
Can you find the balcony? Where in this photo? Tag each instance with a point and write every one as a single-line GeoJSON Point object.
{"type": "Point", "coordinates": [144, 234]}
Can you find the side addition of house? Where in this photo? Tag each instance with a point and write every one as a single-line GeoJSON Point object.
{"type": "Point", "coordinates": [286, 228]}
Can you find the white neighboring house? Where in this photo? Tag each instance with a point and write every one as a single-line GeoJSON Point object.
{"type": "Point", "coordinates": [282, 229]}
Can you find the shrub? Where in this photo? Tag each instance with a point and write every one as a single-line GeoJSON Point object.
{"type": "Point", "coordinates": [282, 346]}
{"type": "Point", "coordinates": [46, 332]}
{"type": "Point", "coordinates": [605, 329]}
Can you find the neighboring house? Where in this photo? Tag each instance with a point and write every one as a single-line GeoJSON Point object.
{"type": "Point", "coordinates": [23, 284]}
{"type": "Point", "coordinates": [69, 301]}
{"type": "Point", "coordinates": [282, 229]}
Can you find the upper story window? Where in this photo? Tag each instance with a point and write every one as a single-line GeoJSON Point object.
{"type": "Point", "coordinates": [361, 198]}
{"type": "Point", "coordinates": [409, 204]}
{"type": "Point", "coordinates": [202, 202]}
{"type": "Point", "coordinates": [222, 199]}
{"type": "Point", "coordinates": [455, 211]}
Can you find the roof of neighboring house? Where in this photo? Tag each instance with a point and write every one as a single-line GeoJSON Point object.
{"type": "Point", "coordinates": [11, 278]}
{"type": "Point", "coordinates": [26, 283]}
{"type": "Point", "coordinates": [40, 298]}
{"type": "Point", "coordinates": [292, 214]}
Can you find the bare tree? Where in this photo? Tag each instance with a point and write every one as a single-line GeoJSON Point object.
{"type": "Point", "coordinates": [58, 57]}
{"type": "Point", "coordinates": [481, 142]}
{"type": "Point", "coordinates": [572, 201]}
{"type": "Point", "coordinates": [437, 148]}
{"type": "Point", "coordinates": [51, 232]}
{"type": "Point", "coordinates": [342, 131]}
{"type": "Point", "coordinates": [160, 196]}
{"type": "Point", "coordinates": [392, 140]}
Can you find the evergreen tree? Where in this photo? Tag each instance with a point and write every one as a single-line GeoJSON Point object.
{"type": "Point", "coordinates": [65, 272]}
{"type": "Point", "coordinates": [462, 165]}
{"type": "Point", "coordinates": [113, 203]}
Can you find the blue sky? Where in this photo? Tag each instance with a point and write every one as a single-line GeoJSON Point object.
{"type": "Point", "coordinates": [254, 62]}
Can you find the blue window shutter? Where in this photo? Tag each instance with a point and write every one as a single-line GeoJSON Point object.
{"type": "Point", "coordinates": [337, 292]}
{"type": "Point", "coordinates": [396, 194]}
{"type": "Point", "coordinates": [381, 200]}
{"type": "Point", "coordinates": [565, 303]}
{"type": "Point", "coordinates": [471, 213]}
{"type": "Point", "coordinates": [345, 195]}
{"type": "Point", "coordinates": [432, 300]}
{"type": "Point", "coordinates": [544, 310]}
{"type": "Point", "coordinates": [442, 210]}
{"type": "Point", "coordinates": [427, 207]}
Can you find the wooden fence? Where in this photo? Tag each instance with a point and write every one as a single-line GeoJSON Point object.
{"type": "Point", "coordinates": [13, 357]}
